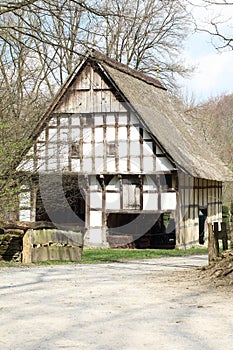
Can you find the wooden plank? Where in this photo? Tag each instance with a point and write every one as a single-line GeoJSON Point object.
{"type": "Point", "coordinates": [224, 236]}
{"type": "Point", "coordinates": [216, 244]}
{"type": "Point", "coordinates": [211, 246]}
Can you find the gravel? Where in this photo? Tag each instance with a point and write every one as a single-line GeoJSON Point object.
{"type": "Point", "coordinates": [145, 304]}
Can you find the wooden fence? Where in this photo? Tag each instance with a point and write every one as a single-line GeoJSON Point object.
{"type": "Point", "coordinates": [215, 235]}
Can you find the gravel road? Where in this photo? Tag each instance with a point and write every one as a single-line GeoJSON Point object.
{"type": "Point", "coordinates": [143, 305]}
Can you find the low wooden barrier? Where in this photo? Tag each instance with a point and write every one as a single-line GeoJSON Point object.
{"type": "Point", "coordinates": [213, 239]}
{"type": "Point", "coordinates": [51, 245]}
{"type": "Point", "coordinates": [39, 241]}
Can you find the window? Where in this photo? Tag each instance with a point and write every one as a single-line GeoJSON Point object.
{"type": "Point", "coordinates": [75, 150]}
{"type": "Point", "coordinates": [111, 149]}
{"type": "Point", "coordinates": [131, 193]}
{"type": "Point", "coordinates": [87, 120]}
{"type": "Point", "coordinates": [166, 181]}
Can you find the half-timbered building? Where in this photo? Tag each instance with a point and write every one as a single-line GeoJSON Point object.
{"type": "Point", "coordinates": [114, 154]}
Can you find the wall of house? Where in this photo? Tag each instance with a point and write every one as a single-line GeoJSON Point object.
{"type": "Point", "coordinates": [197, 196]}
{"type": "Point", "coordinates": [91, 132]}
{"type": "Point", "coordinates": [123, 194]}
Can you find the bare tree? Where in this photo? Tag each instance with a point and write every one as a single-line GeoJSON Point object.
{"type": "Point", "coordinates": [42, 40]}
{"type": "Point", "coordinates": [145, 35]}
{"type": "Point", "coordinates": [218, 27]}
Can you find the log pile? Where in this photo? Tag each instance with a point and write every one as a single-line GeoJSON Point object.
{"type": "Point", "coordinates": [51, 243]}
{"type": "Point", "coordinates": [221, 268]}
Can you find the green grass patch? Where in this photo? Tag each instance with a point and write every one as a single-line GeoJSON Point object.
{"type": "Point", "coordinates": [96, 256]}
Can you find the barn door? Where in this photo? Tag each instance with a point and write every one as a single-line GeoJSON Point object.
{"type": "Point", "coordinates": [131, 193]}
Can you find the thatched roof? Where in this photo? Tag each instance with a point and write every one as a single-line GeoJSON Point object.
{"type": "Point", "coordinates": [164, 119]}
{"type": "Point", "coordinates": [160, 114]}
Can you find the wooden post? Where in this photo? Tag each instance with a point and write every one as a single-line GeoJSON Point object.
{"type": "Point", "coordinates": [216, 243]}
{"type": "Point", "coordinates": [211, 250]}
{"type": "Point", "coordinates": [224, 236]}
{"type": "Point", "coordinates": [231, 234]}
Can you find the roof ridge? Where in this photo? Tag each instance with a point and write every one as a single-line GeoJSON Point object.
{"type": "Point", "coordinates": [126, 69]}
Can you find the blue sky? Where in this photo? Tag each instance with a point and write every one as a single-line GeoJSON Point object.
{"type": "Point", "coordinates": [213, 75]}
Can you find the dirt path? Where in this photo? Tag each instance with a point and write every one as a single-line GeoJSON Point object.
{"type": "Point", "coordinates": [150, 304]}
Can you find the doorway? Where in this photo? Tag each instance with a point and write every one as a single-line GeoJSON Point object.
{"type": "Point", "coordinates": [202, 224]}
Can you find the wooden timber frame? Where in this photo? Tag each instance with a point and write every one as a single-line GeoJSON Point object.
{"type": "Point", "coordinates": [94, 131]}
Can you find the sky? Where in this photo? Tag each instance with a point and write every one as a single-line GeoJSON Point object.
{"type": "Point", "coordinates": [213, 75]}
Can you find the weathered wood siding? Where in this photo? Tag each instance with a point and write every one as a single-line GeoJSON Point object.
{"type": "Point", "coordinates": [196, 195]}
{"type": "Point", "coordinates": [92, 132]}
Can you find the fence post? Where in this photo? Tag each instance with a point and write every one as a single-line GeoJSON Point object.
{"type": "Point", "coordinates": [211, 248]}
{"type": "Point", "coordinates": [216, 236]}
{"type": "Point", "coordinates": [224, 236]}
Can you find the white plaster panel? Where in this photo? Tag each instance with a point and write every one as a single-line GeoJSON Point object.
{"type": "Point", "coordinates": [99, 164]}
{"type": "Point", "coordinates": [64, 122]}
{"type": "Point", "coordinates": [63, 151]}
{"type": "Point", "coordinates": [98, 120]}
{"type": "Point", "coordinates": [123, 165]}
{"type": "Point", "coordinates": [52, 164]}
{"type": "Point", "coordinates": [64, 135]}
{"type": "Point", "coordinates": [122, 149]}
{"type": "Point", "coordinates": [41, 149]}
{"type": "Point", "coordinates": [110, 134]}
{"type": "Point", "coordinates": [52, 134]}
{"type": "Point", "coordinates": [87, 165]}
{"type": "Point", "coordinates": [53, 121]}
{"type": "Point", "coordinates": [134, 133]}
{"type": "Point", "coordinates": [64, 165]}
{"type": "Point", "coordinates": [135, 164]}
{"type": "Point", "coordinates": [112, 201]}
{"type": "Point", "coordinates": [133, 119]}
{"type": "Point", "coordinates": [75, 120]}
{"type": "Point", "coordinates": [148, 164]}
{"type": "Point", "coordinates": [25, 199]}
{"type": "Point", "coordinates": [150, 201]}
{"type": "Point", "coordinates": [99, 150]}
{"type": "Point", "coordinates": [122, 120]}
{"type": "Point", "coordinates": [75, 164]}
{"type": "Point", "coordinates": [149, 184]}
{"type": "Point", "coordinates": [96, 200]}
{"type": "Point", "coordinates": [87, 134]}
{"type": "Point", "coordinates": [87, 150]}
{"type": "Point", "coordinates": [41, 164]}
{"type": "Point", "coordinates": [42, 136]}
{"type": "Point", "coordinates": [135, 148]}
{"type": "Point", "coordinates": [95, 218]}
{"type": "Point", "coordinates": [168, 201]}
{"type": "Point", "coordinates": [122, 133]}
{"type": "Point", "coordinates": [25, 215]}
{"type": "Point", "coordinates": [111, 165]}
{"type": "Point", "coordinates": [147, 148]}
{"type": "Point", "coordinates": [114, 185]}
{"type": "Point", "coordinates": [99, 134]}
{"type": "Point", "coordinates": [95, 236]}
{"type": "Point", "coordinates": [52, 148]}
{"type": "Point", "coordinates": [110, 119]}
{"type": "Point", "coordinates": [163, 164]}
{"type": "Point", "coordinates": [26, 165]}
{"type": "Point", "coordinates": [94, 183]}
{"type": "Point", "coordinates": [75, 134]}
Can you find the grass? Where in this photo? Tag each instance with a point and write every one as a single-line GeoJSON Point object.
{"type": "Point", "coordinates": [98, 256]}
